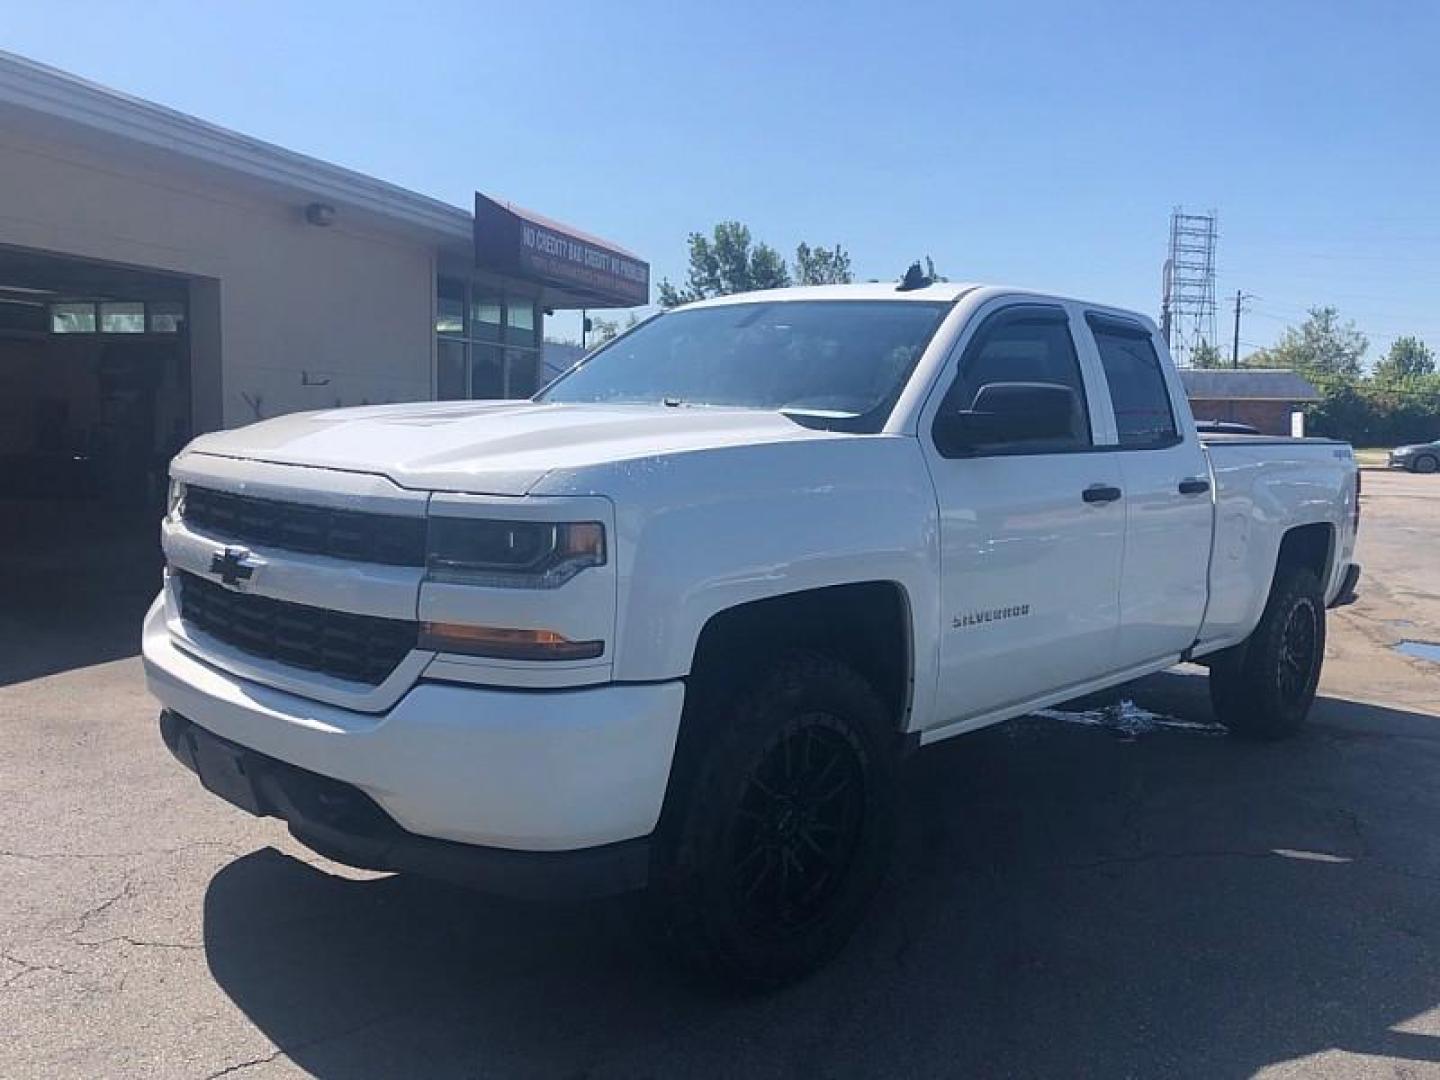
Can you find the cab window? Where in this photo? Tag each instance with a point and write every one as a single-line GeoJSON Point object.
{"type": "Point", "coordinates": [1143, 416]}
{"type": "Point", "coordinates": [1020, 352]}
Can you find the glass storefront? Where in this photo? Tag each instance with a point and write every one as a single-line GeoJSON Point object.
{"type": "Point", "coordinates": [487, 343]}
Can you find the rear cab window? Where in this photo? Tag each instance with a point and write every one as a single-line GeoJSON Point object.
{"type": "Point", "coordinates": [1144, 417]}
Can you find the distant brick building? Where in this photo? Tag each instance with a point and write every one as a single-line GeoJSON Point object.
{"type": "Point", "coordinates": [1264, 398]}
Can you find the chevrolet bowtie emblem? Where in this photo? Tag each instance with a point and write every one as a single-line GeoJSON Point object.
{"type": "Point", "coordinates": [231, 566]}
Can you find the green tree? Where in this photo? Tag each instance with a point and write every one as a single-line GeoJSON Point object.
{"type": "Point", "coordinates": [1321, 347]}
{"type": "Point", "coordinates": [726, 262]}
{"type": "Point", "coordinates": [1409, 358]}
{"type": "Point", "coordinates": [822, 266]}
{"type": "Point", "coordinates": [602, 330]}
{"type": "Point", "coordinates": [1206, 355]}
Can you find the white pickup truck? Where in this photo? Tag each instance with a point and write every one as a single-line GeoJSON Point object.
{"type": "Point", "coordinates": [673, 624]}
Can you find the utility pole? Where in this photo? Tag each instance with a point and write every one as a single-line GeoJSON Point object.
{"type": "Point", "coordinates": [1240, 297]}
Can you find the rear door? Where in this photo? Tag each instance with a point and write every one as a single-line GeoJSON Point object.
{"type": "Point", "coordinates": [1167, 493]}
{"type": "Point", "coordinates": [1030, 532]}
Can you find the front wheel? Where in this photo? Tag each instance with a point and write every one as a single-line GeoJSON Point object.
{"type": "Point", "coordinates": [1264, 688]}
{"type": "Point", "coordinates": [1425, 463]}
{"type": "Point", "coordinates": [784, 833]}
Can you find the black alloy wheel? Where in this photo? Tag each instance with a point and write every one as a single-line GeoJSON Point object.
{"type": "Point", "coordinates": [781, 819]}
{"type": "Point", "coordinates": [1263, 688]}
{"type": "Point", "coordinates": [1298, 658]}
{"type": "Point", "coordinates": [798, 825]}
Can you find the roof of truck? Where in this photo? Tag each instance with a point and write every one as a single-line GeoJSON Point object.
{"type": "Point", "coordinates": [942, 291]}
{"type": "Point", "coordinates": [945, 292]}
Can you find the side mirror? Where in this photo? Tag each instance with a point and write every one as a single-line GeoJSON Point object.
{"type": "Point", "coordinates": [1009, 412]}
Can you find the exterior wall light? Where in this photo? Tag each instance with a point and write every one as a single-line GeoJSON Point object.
{"type": "Point", "coordinates": [320, 214]}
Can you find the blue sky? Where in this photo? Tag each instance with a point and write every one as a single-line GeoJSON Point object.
{"type": "Point", "coordinates": [1039, 144]}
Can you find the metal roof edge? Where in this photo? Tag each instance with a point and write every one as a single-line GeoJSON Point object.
{"type": "Point", "coordinates": [40, 88]}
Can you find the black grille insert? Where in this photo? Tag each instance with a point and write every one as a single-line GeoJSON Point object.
{"type": "Point", "coordinates": [360, 648]}
{"type": "Point", "coordinates": [311, 530]}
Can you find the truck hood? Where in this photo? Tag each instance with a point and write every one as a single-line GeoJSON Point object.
{"type": "Point", "coordinates": [493, 448]}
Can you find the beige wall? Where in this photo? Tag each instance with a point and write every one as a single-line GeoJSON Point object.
{"type": "Point", "coordinates": [350, 307]}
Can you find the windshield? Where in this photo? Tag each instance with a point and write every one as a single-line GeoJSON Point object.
{"type": "Point", "coordinates": [825, 361]}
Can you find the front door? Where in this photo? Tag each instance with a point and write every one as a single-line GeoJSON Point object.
{"type": "Point", "coordinates": [1031, 530]}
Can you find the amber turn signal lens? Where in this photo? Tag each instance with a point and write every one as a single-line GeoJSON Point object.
{"type": "Point", "coordinates": [504, 643]}
{"type": "Point", "coordinates": [584, 538]}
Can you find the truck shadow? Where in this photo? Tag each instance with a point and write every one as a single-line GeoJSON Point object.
{"type": "Point", "coordinates": [1066, 900]}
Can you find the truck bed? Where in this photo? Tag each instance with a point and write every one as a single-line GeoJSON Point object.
{"type": "Point", "coordinates": [1265, 440]}
{"type": "Point", "coordinates": [1263, 485]}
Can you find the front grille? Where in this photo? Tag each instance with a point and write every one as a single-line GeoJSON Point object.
{"type": "Point", "coordinates": [311, 530]}
{"type": "Point", "coordinates": [360, 648]}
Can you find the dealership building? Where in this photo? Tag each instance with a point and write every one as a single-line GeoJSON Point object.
{"type": "Point", "coordinates": [161, 276]}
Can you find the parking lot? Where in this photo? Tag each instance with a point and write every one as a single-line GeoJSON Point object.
{"type": "Point", "coordinates": [1070, 897]}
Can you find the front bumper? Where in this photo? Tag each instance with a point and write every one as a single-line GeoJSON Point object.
{"type": "Point", "coordinates": [342, 823]}
{"type": "Point", "coordinates": [522, 770]}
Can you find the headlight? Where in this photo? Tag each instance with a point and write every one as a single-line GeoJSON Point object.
{"type": "Point", "coordinates": [175, 499]}
{"type": "Point", "coordinates": [512, 554]}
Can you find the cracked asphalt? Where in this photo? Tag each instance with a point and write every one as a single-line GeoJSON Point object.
{"type": "Point", "coordinates": [1067, 899]}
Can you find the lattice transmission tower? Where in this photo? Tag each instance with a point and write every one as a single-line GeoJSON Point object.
{"type": "Point", "coordinates": [1187, 299]}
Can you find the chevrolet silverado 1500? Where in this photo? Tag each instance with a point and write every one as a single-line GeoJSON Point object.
{"type": "Point", "coordinates": [673, 624]}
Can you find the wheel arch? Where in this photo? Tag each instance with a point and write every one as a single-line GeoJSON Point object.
{"type": "Point", "coordinates": [868, 625]}
{"type": "Point", "coordinates": [1310, 547]}
{"type": "Point", "coordinates": [744, 636]}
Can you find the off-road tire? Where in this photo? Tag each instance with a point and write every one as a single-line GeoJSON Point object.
{"type": "Point", "coordinates": [1263, 689]}
{"type": "Point", "coordinates": [706, 854]}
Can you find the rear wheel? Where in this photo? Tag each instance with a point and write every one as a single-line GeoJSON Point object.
{"type": "Point", "coordinates": [1264, 688]}
{"type": "Point", "coordinates": [1426, 463]}
{"type": "Point", "coordinates": [784, 830]}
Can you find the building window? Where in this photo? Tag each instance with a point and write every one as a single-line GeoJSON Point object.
{"type": "Point", "coordinates": [450, 307]}
{"type": "Point", "coordinates": [122, 317]}
{"type": "Point", "coordinates": [166, 316]}
{"type": "Point", "coordinates": [450, 382]}
{"type": "Point", "coordinates": [117, 317]}
{"type": "Point", "coordinates": [72, 318]}
{"type": "Point", "coordinates": [487, 345]}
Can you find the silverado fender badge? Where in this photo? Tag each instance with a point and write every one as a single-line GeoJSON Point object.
{"type": "Point", "coordinates": [232, 567]}
{"type": "Point", "coordinates": [989, 615]}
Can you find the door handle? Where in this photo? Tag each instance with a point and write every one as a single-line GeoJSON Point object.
{"type": "Point", "coordinates": [1194, 485]}
{"type": "Point", "coordinates": [1100, 493]}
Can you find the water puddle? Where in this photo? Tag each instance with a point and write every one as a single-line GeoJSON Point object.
{"type": "Point", "coordinates": [1421, 650]}
{"type": "Point", "coordinates": [1129, 721]}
